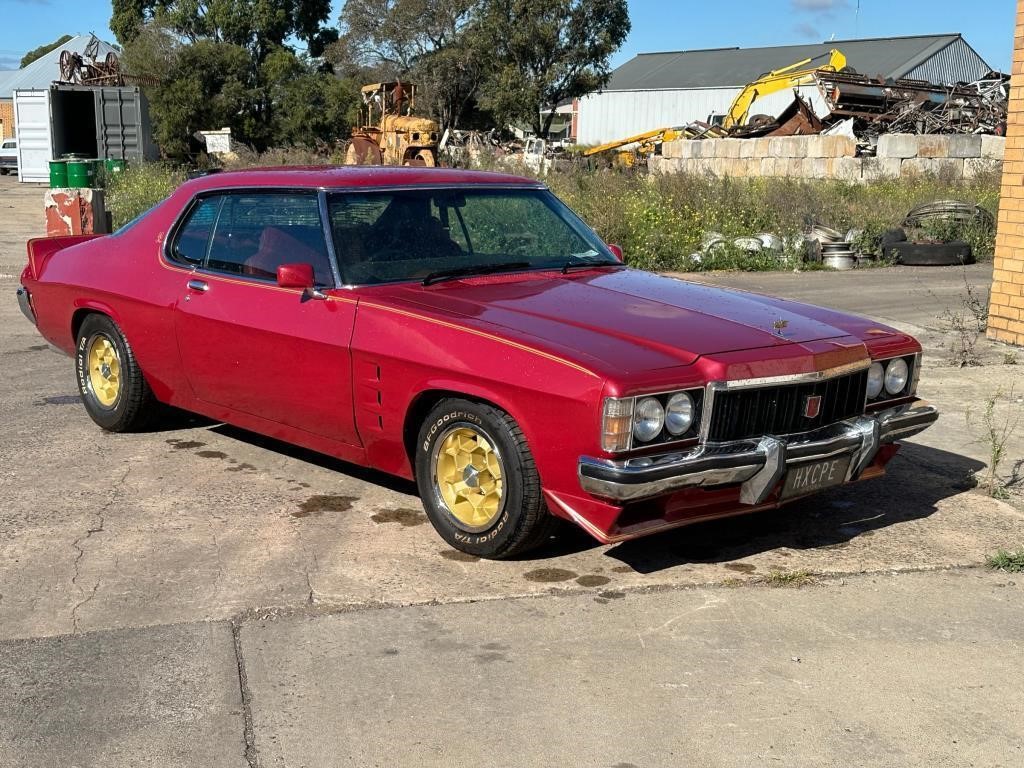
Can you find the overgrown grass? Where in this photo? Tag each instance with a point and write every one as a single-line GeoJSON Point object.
{"type": "Point", "coordinates": [138, 188]}
{"type": "Point", "coordinates": [661, 220]}
{"type": "Point", "coordinates": [1011, 562]}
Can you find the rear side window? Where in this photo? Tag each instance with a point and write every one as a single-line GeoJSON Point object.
{"type": "Point", "coordinates": [193, 238]}
{"type": "Point", "coordinates": [10, 145]}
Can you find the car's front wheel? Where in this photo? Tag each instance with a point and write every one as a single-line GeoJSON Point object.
{"type": "Point", "coordinates": [478, 480]}
{"type": "Point", "coordinates": [113, 389]}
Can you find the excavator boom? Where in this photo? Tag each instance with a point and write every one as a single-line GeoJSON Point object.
{"type": "Point", "coordinates": [777, 80]}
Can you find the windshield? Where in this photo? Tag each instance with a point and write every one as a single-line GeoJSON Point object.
{"type": "Point", "coordinates": [414, 234]}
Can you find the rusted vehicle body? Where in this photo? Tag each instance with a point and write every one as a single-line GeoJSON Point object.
{"type": "Point", "coordinates": [468, 331]}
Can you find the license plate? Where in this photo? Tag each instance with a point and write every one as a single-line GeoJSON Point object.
{"type": "Point", "coordinates": [807, 478]}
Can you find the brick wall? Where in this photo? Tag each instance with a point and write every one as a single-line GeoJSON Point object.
{"type": "Point", "coordinates": [1006, 308]}
{"type": "Point", "coordinates": [7, 116]}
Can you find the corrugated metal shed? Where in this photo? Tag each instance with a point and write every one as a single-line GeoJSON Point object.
{"type": "Point", "coordinates": [658, 90]}
{"type": "Point", "coordinates": [735, 67]}
{"type": "Point", "coordinates": [44, 70]}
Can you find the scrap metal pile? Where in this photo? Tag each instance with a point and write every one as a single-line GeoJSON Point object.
{"type": "Point", "coordinates": [915, 106]}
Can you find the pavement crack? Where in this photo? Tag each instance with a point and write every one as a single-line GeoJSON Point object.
{"type": "Point", "coordinates": [79, 546]}
{"type": "Point", "coordinates": [248, 731]}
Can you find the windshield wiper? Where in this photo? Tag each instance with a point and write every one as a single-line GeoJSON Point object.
{"type": "Point", "coordinates": [478, 269]}
{"type": "Point", "coordinates": [589, 261]}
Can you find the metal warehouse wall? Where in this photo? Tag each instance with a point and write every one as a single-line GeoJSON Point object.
{"type": "Point", "coordinates": [617, 114]}
{"type": "Point", "coordinates": [956, 63]}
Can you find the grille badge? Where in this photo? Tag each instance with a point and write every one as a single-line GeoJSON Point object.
{"type": "Point", "coordinates": [812, 406]}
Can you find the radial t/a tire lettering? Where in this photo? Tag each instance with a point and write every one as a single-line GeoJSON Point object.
{"type": "Point", "coordinates": [113, 390]}
{"type": "Point", "coordinates": [478, 481]}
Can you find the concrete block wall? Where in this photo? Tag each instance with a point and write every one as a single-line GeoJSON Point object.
{"type": "Point", "coordinates": [1006, 303]}
{"type": "Point", "coordinates": [833, 157]}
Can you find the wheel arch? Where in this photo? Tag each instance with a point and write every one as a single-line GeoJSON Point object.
{"type": "Point", "coordinates": [82, 311]}
{"type": "Point", "coordinates": [424, 401]}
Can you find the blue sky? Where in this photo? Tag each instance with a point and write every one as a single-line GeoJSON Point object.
{"type": "Point", "coordinates": [658, 25]}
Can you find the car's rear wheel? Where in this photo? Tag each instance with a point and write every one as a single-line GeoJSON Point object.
{"type": "Point", "coordinates": [478, 481]}
{"type": "Point", "coordinates": [113, 389]}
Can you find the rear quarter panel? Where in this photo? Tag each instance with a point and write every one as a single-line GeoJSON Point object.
{"type": "Point", "coordinates": [122, 276]}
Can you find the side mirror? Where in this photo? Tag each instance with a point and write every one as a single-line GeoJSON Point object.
{"type": "Point", "coordinates": [299, 276]}
{"type": "Point", "coordinates": [617, 252]}
{"type": "Point", "coordinates": [295, 276]}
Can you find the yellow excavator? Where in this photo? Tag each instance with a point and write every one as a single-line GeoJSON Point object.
{"type": "Point", "coordinates": [390, 133]}
{"type": "Point", "coordinates": [778, 80]}
{"type": "Point", "coordinates": [646, 145]}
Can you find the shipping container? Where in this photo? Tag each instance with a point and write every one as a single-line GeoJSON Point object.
{"type": "Point", "coordinates": [83, 120]}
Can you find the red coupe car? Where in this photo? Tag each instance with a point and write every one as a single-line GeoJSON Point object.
{"type": "Point", "coordinates": [469, 331]}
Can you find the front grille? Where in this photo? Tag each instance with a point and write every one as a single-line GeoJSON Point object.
{"type": "Point", "coordinates": [740, 414]}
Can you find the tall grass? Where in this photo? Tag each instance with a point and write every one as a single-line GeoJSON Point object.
{"type": "Point", "coordinates": [660, 220]}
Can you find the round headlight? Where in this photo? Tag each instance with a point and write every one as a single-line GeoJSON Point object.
{"type": "Point", "coordinates": [876, 375]}
{"type": "Point", "coordinates": [648, 419]}
{"type": "Point", "coordinates": [679, 414]}
{"type": "Point", "coordinates": [896, 374]}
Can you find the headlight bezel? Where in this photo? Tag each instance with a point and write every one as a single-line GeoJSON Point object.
{"type": "Point", "coordinates": [884, 397]}
{"type": "Point", "coordinates": [615, 438]}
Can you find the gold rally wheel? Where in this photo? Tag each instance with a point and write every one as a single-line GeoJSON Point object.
{"type": "Point", "coordinates": [113, 389]}
{"type": "Point", "coordinates": [478, 481]}
{"type": "Point", "coordinates": [467, 476]}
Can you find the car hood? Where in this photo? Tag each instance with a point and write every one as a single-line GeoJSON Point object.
{"type": "Point", "coordinates": [634, 320]}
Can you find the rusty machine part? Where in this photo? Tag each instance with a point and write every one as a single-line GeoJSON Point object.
{"type": "Point", "coordinates": [390, 133]}
{"type": "Point", "coordinates": [86, 69]}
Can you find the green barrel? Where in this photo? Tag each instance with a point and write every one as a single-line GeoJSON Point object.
{"type": "Point", "coordinates": [113, 165]}
{"type": "Point", "coordinates": [81, 173]}
{"type": "Point", "coordinates": [58, 174]}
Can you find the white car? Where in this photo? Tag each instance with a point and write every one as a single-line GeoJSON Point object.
{"type": "Point", "coordinates": [9, 156]}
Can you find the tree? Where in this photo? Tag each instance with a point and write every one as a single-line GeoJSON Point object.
{"type": "Point", "coordinates": [42, 50]}
{"type": "Point", "coordinates": [418, 40]}
{"type": "Point", "coordinates": [260, 26]}
{"type": "Point", "coordinates": [547, 51]}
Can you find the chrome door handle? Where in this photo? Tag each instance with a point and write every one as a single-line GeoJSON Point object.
{"type": "Point", "coordinates": [198, 285]}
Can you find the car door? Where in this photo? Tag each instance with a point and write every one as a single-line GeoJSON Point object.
{"type": "Point", "coordinates": [248, 344]}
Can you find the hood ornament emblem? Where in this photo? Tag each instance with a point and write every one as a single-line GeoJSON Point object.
{"type": "Point", "coordinates": [780, 325]}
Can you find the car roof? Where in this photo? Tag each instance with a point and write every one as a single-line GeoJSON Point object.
{"type": "Point", "coordinates": [352, 176]}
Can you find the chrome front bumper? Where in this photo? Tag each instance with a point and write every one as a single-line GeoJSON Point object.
{"type": "Point", "coordinates": [757, 464]}
{"type": "Point", "coordinates": [25, 302]}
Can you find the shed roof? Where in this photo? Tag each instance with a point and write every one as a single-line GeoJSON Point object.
{"type": "Point", "coordinates": [733, 67]}
{"type": "Point", "coordinates": [44, 70]}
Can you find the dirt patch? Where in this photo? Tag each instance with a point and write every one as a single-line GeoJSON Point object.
{"type": "Point", "coordinates": [181, 445]}
{"type": "Point", "coordinates": [404, 517]}
{"type": "Point", "coordinates": [315, 506]}
{"type": "Point", "coordinates": [592, 580]}
{"type": "Point", "coordinates": [549, 575]}
{"type": "Point", "coordinates": [741, 567]}
{"type": "Point", "coordinates": [212, 454]}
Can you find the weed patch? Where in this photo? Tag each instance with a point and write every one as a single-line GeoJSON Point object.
{"type": "Point", "coordinates": [1010, 562]}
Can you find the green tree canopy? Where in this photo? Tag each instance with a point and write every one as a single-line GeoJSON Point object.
{"type": "Point", "coordinates": [257, 25]}
{"type": "Point", "coordinates": [42, 50]}
{"type": "Point", "coordinates": [547, 51]}
{"type": "Point", "coordinates": [511, 57]}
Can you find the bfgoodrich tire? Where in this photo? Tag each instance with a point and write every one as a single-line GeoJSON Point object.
{"type": "Point", "coordinates": [478, 481]}
{"type": "Point", "coordinates": [113, 389]}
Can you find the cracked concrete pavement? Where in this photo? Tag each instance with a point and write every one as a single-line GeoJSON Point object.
{"type": "Point", "coordinates": [156, 539]}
